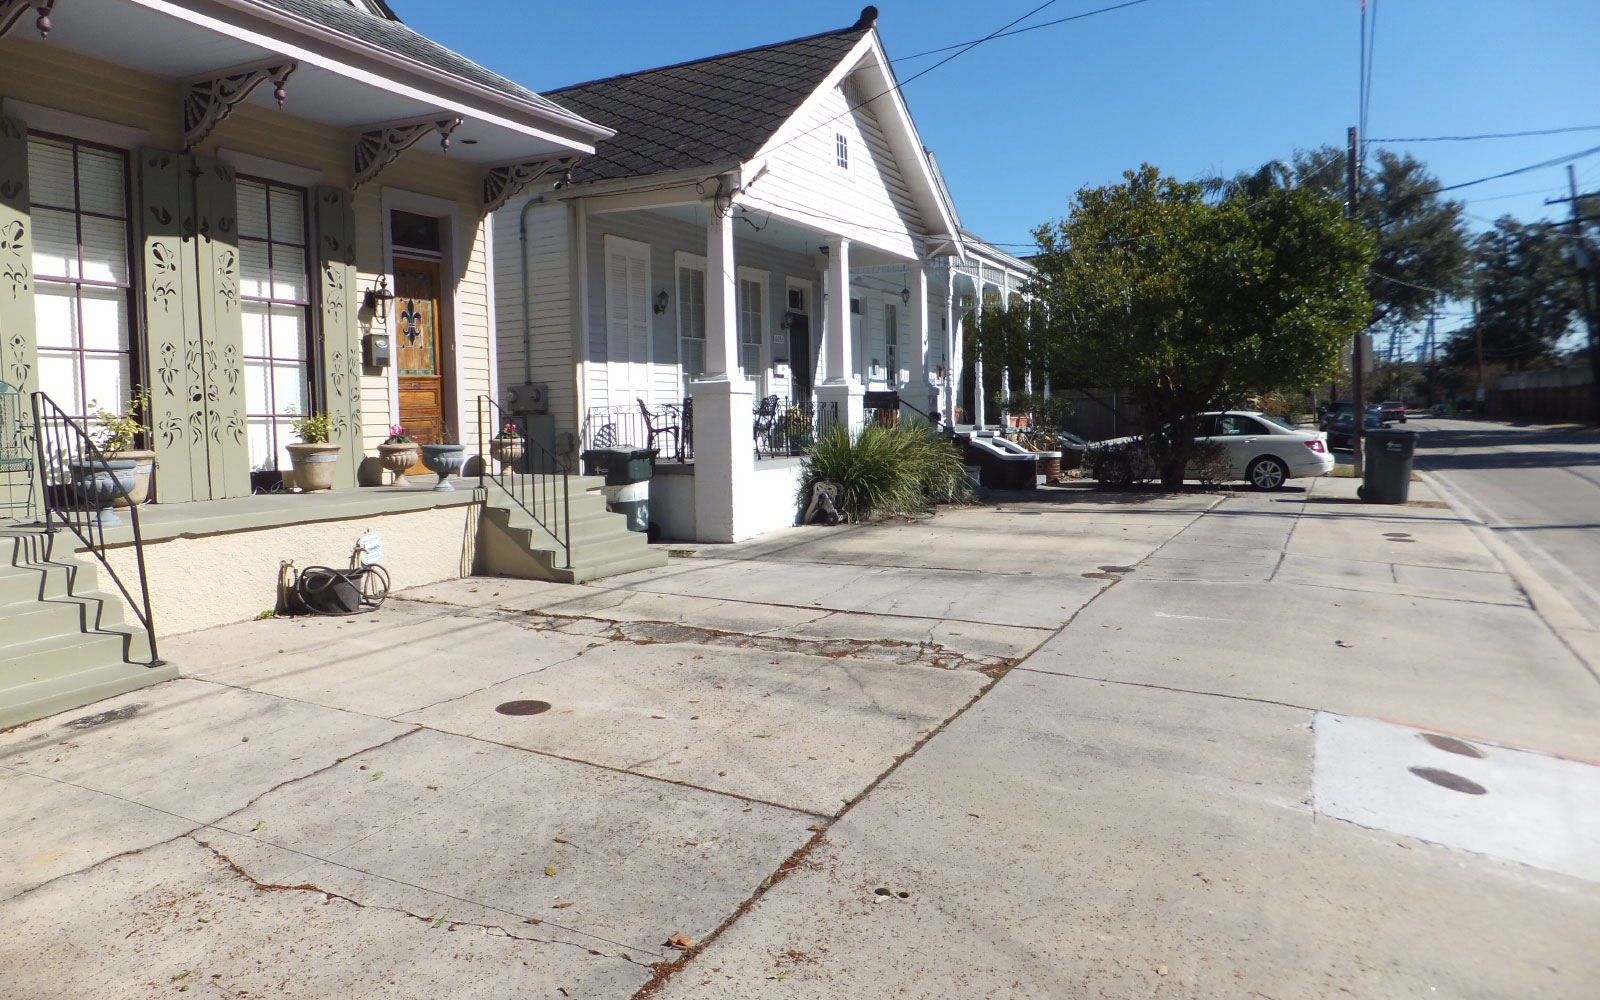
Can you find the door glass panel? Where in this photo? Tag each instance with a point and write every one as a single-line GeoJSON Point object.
{"type": "Point", "coordinates": [415, 323]}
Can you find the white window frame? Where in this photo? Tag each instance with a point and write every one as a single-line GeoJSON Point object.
{"type": "Point", "coordinates": [891, 340]}
{"type": "Point", "coordinates": [452, 261]}
{"type": "Point", "coordinates": [763, 280]}
{"type": "Point", "coordinates": [841, 151]}
{"type": "Point", "coordinates": [685, 261]}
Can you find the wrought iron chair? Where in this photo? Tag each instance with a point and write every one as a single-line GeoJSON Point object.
{"type": "Point", "coordinates": [656, 425]}
{"type": "Point", "coordinates": [766, 424]}
{"type": "Point", "coordinates": [16, 456]}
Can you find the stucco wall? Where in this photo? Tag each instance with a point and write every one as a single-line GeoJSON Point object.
{"type": "Point", "coordinates": [770, 504]}
{"type": "Point", "coordinates": [672, 502]}
{"type": "Point", "coordinates": [198, 583]}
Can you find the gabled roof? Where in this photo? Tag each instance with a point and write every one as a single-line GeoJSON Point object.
{"type": "Point", "coordinates": [714, 112]}
{"type": "Point", "coordinates": [386, 32]}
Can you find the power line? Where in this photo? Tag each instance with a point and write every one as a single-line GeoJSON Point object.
{"type": "Point", "coordinates": [1032, 27]}
{"type": "Point", "coordinates": [1520, 170]}
{"type": "Point", "coordinates": [1492, 135]}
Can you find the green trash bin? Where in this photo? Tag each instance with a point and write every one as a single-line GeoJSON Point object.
{"type": "Point", "coordinates": [627, 474]}
{"type": "Point", "coordinates": [1387, 476]}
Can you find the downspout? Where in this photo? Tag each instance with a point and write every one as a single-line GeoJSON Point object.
{"type": "Point", "coordinates": [527, 293]}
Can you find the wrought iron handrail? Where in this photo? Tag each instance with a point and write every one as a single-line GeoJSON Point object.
{"type": "Point", "coordinates": [71, 466]}
{"type": "Point", "coordinates": [535, 478]}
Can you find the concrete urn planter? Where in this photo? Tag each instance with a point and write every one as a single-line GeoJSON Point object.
{"type": "Point", "coordinates": [314, 465]}
{"type": "Point", "coordinates": [397, 458]}
{"type": "Point", "coordinates": [98, 485]}
{"type": "Point", "coordinates": [144, 467]}
{"type": "Point", "coordinates": [444, 460]}
{"type": "Point", "coordinates": [506, 451]}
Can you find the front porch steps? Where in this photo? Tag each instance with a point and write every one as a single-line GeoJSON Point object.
{"type": "Point", "coordinates": [64, 642]}
{"type": "Point", "coordinates": [512, 543]}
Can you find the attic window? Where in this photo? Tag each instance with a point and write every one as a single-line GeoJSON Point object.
{"type": "Point", "coordinates": [841, 147]}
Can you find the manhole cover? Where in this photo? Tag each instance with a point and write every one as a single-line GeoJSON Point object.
{"type": "Point", "coordinates": [522, 707]}
{"type": "Point", "coordinates": [1449, 744]}
{"type": "Point", "coordinates": [1445, 779]}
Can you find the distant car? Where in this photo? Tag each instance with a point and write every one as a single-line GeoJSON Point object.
{"type": "Point", "coordinates": [1393, 409]}
{"type": "Point", "coordinates": [1264, 451]}
{"type": "Point", "coordinates": [1339, 409]}
{"type": "Point", "coordinates": [1339, 429]}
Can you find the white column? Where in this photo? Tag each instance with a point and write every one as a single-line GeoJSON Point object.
{"type": "Point", "coordinates": [724, 442]}
{"type": "Point", "coordinates": [952, 368]}
{"type": "Point", "coordinates": [919, 391]}
{"type": "Point", "coordinates": [1005, 370]}
{"type": "Point", "coordinates": [840, 389]}
{"type": "Point", "coordinates": [979, 417]}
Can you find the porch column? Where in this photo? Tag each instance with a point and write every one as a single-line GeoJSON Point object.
{"type": "Point", "coordinates": [978, 403]}
{"type": "Point", "coordinates": [919, 391]}
{"type": "Point", "coordinates": [1005, 369]}
{"type": "Point", "coordinates": [952, 358]}
{"type": "Point", "coordinates": [840, 389]}
{"type": "Point", "coordinates": [724, 445]}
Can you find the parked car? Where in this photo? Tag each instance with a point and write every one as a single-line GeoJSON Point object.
{"type": "Point", "coordinates": [1392, 409]}
{"type": "Point", "coordinates": [1264, 451]}
{"type": "Point", "coordinates": [1339, 409]}
{"type": "Point", "coordinates": [1339, 429]}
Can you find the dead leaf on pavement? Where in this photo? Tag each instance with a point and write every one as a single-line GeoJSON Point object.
{"type": "Point", "coordinates": [1346, 645]}
{"type": "Point", "coordinates": [561, 906]}
{"type": "Point", "coordinates": [814, 828]}
{"type": "Point", "coordinates": [550, 870]}
{"type": "Point", "coordinates": [680, 942]}
{"type": "Point", "coordinates": [658, 716]}
{"type": "Point", "coordinates": [1161, 971]}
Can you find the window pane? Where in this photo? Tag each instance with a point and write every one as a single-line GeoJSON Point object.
{"type": "Point", "coordinates": [255, 276]}
{"type": "Point", "coordinates": [257, 387]}
{"type": "Point", "coordinates": [105, 249]}
{"type": "Point", "coordinates": [288, 273]}
{"type": "Point", "coordinates": [288, 333]}
{"type": "Point", "coordinates": [105, 318]}
{"type": "Point", "coordinates": [56, 314]}
{"type": "Point", "coordinates": [55, 244]}
{"type": "Point", "coordinates": [262, 453]}
{"type": "Point", "coordinates": [50, 173]}
{"type": "Point", "coordinates": [288, 216]}
{"type": "Point", "coordinates": [288, 387]}
{"type": "Point", "coordinates": [58, 378]}
{"type": "Point", "coordinates": [105, 380]}
{"type": "Point", "coordinates": [254, 315]}
{"type": "Point", "coordinates": [100, 182]}
{"type": "Point", "coordinates": [252, 197]}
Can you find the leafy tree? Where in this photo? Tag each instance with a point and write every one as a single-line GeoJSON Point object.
{"type": "Point", "coordinates": [1528, 295]}
{"type": "Point", "coordinates": [1421, 247]}
{"type": "Point", "coordinates": [1195, 304]}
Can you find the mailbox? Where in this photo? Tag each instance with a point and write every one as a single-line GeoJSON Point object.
{"type": "Point", "coordinates": [375, 350]}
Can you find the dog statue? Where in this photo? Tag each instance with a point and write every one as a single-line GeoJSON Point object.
{"type": "Point", "coordinates": [824, 502]}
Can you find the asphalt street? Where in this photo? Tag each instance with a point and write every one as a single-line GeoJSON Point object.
{"type": "Point", "coordinates": [1536, 488]}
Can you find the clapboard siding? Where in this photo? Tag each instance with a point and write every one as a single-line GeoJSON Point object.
{"type": "Point", "coordinates": [548, 303]}
{"type": "Point", "coordinates": [869, 203]}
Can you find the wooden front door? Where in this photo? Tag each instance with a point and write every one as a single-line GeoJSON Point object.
{"type": "Point", "coordinates": [417, 350]}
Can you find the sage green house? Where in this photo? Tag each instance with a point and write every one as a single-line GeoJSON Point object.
{"type": "Point", "coordinates": [215, 202]}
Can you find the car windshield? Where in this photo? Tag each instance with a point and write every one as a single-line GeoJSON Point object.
{"type": "Point", "coordinates": [1281, 423]}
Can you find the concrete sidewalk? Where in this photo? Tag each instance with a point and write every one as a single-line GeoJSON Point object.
{"type": "Point", "coordinates": [1182, 783]}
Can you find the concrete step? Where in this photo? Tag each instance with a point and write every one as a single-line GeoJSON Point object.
{"type": "Point", "coordinates": [33, 581]}
{"type": "Point", "coordinates": [64, 690]}
{"type": "Point", "coordinates": [59, 614]}
{"type": "Point", "coordinates": [646, 558]}
{"type": "Point", "coordinates": [55, 658]}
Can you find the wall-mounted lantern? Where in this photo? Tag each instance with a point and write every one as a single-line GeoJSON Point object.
{"type": "Point", "coordinates": [378, 298]}
{"type": "Point", "coordinates": [905, 296]}
{"type": "Point", "coordinates": [661, 302]}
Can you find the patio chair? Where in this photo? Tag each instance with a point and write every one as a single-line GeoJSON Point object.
{"type": "Point", "coordinates": [766, 423]}
{"type": "Point", "coordinates": [16, 457]}
{"type": "Point", "coordinates": [656, 425]}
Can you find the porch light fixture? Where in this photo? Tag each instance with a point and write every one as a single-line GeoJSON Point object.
{"type": "Point", "coordinates": [378, 299]}
{"type": "Point", "coordinates": [787, 321]}
{"type": "Point", "coordinates": [661, 302]}
{"type": "Point", "coordinates": [905, 296]}
{"type": "Point", "coordinates": [941, 373]}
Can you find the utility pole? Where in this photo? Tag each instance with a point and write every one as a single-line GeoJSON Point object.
{"type": "Point", "coordinates": [1358, 396]}
{"type": "Point", "coordinates": [1477, 333]}
{"type": "Point", "coordinates": [1583, 264]}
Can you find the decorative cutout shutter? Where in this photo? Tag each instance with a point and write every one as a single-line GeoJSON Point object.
{"type": "Point", "coordinates": [194, 337]}
{"type": "Point", "coordinates": [341, 343]}
{"type": "Point", "coordinates": [18, 345]}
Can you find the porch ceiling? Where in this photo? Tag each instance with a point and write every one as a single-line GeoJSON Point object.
{"type": "Point", "coordinates": [757, 226]}
{"type": "Point", "coordinates": [344, 90]}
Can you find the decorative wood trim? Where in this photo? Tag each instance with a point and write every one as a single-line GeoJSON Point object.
{"type": "Point", "coordinates": [377, 146]}
{"type": "Point", "coordinates": [211, 98]}
{"type": "Point", "coordinates": [341, 346]}
{"type": "Point", "coordinates": [502, 183]}
{"type": "Point", "coordinates": [11, 12]}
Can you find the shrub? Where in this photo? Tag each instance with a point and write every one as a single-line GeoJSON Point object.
{"type": "Point", "coordinates": [885, 470]}
{"type": "Point", "coordinates": [1120, 464]}
{"type": "Point", "coordinates": [312, 429]}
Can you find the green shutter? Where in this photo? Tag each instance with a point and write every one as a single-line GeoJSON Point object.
{"type": "Point", "coordinates": [194, 335]}
{"type": "Point", "coordinates": [227, 446]}
{"type": "Point", "coordinates": [341, 344]}
{"type": "Point", "coordinates": [19, 354]}
{"type": "Point", "coordinates": [171, 321]}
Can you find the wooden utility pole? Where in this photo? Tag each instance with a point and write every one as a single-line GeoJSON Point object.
{"type": "Point", "coordinates": [1358, 396]}
{"type": "Point", "coordinates": [1584, 265]}
{"type": "Point", "coordinates": [1481, 395]}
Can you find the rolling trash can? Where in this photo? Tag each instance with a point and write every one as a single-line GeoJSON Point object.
{"type": "Point", "coordinates": [1387, 476]}
{"type": "Point", "coordinates": [627, 474]}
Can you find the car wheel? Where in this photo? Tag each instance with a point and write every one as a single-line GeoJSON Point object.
{"type": "Point", "coordinates": [1267, 473]}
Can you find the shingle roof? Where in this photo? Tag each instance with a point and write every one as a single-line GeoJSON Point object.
{"type": "Point", "coordinates": [708, 112]}
{"type": "Point", "coordinates": [362, 25]}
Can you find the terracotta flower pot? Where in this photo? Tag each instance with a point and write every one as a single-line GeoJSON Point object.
{"type": "Point", "coordinates": [397, 458]}
{"type": "Point", "coordinates": [314, 465]}
{"type": "Point", "coordinates": [144, 466]}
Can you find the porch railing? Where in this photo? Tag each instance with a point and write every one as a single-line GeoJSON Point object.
{"type": "Point", "coordinates": [79, 487]}
{"type": "Point", "coordinates": [667, 427]}
{"type": "Point", "coordinates": [532, 475]}
{"type": "Point", "coordinates": [784, 428]}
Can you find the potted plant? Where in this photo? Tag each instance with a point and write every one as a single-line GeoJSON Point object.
{"type": "Point", "coordinates": [444, 460]}
{"type": "Point", "coordinates": [116, 434]}
{"type": "Point", "coordinates": [314, 457]}
{"type": "Point", "coordinates": [397, 454]}
{"type": "Point", "coordinates": [506, 447]}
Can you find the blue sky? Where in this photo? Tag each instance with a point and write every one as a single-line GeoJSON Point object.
{"type": "Point", "coordinates": [1195, 88]}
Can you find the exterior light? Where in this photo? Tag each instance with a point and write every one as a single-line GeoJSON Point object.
{"type": "Point", "coordinates": [661, 302]}
{"type": "Point", "coordinates": [377, 299]}
{"type": "Point", "coordinates": [905, 296]}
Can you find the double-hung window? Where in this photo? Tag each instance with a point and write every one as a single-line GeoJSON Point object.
{"type": "Point", "coordinates": [275, 300]}
{"type": "Point", "coordinates": [83, 293]}
{"type": "Point", "coordinates": [752, 324]}
{"type": "Point", "coordinates": [891, 344]}
{"type": "Point", "coordinates": [692, 318]}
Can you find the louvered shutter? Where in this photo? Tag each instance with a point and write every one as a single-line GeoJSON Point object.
{"type": "Point", "coordinates": [627, 323]}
